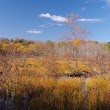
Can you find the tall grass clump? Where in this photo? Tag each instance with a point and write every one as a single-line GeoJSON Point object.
{"type": "Point", "coordinates": [98, 94]}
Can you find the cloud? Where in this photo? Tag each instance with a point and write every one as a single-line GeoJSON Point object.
{"type": "Point", "coordinates": [33, 31]}
{"type": "Point", "coordinates": [64, 19]}
{"type": "Point", "coordinates": [54, 17]}
{"type": "Point", "coordinates": [90, 20]}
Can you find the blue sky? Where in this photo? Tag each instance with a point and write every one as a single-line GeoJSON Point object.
{"type": "Point", "coordinates": [44, 19]}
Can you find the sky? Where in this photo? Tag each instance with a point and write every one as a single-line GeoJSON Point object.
{"type": "Point", "coordinates": [45, 19]}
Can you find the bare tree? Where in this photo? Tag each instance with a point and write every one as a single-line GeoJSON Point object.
{"type": "Point", "coordinates": [76, 33]}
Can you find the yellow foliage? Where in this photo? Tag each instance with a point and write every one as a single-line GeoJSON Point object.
{"type": "Point", "coordinates": [77, 41]}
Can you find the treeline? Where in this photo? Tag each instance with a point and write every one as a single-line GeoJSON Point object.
{"type": "Point", "coordinates": [61, 48]}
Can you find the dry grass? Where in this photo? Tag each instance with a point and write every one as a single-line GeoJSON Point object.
{"type": "Point", "coordinates": [46, 93]}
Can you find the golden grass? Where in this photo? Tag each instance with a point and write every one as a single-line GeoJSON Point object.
{"type": "Point", "coordinates": [46, 93]}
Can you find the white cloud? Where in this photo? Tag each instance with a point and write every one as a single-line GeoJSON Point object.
{"type": "Point", "coordinates": [54, 17]}
{"type": "Point", "coordinates": [34, 31]}
{"type": "Point", "coordinates": [90, 20]}
{"type": "Point", "coordinates": [64, 19]}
